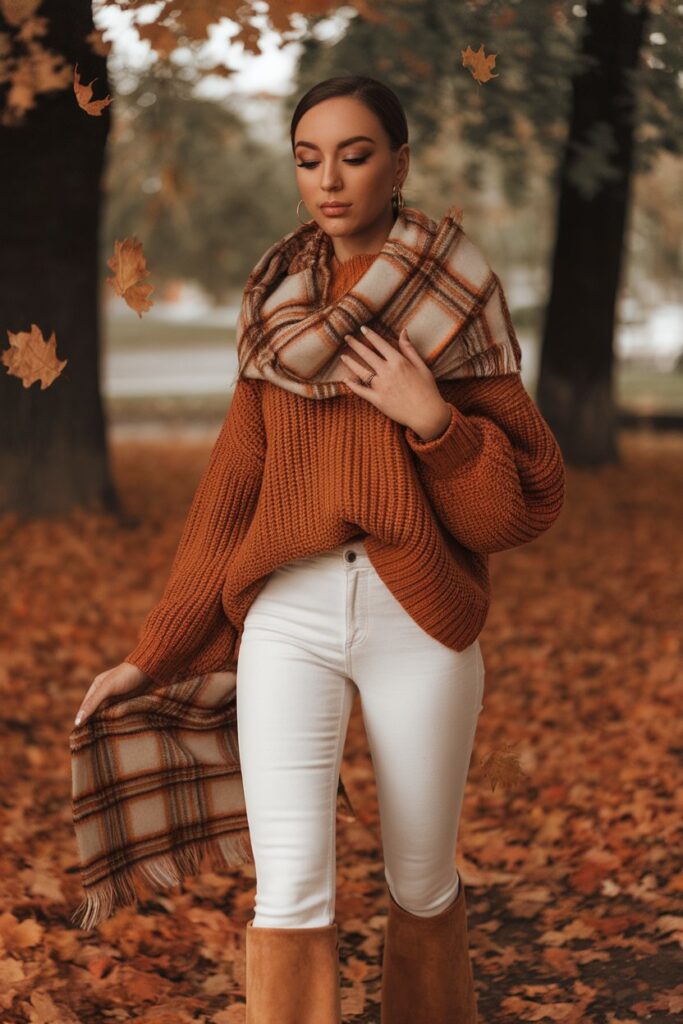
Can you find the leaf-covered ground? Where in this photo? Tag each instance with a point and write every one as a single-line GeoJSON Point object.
{"type": "Point", "coordinates": [573, 876]}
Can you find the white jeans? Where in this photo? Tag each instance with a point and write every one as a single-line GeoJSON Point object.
{"type": "Point", "coordinates": [322, 629]}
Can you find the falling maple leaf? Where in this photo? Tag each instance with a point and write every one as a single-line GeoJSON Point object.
{"type": "Point", "coordinates": [479, 63]}
{"type": "Point", "coordinates": [84, 93]}
{"type": "Point", "coordinates": [32, 358]}
{"type": "Point", "coordinates": [129, 269]}
{"type": "Point", "coordinates": [502, 766]}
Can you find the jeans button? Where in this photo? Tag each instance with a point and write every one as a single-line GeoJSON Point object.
{"type": "Point", "coordinates": [350, 556]}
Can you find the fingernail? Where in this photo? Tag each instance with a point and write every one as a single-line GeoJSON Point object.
{"type": "Point", "coordinates": [77, 719]}
{"type": "Point", "coordinates": [364, 329]}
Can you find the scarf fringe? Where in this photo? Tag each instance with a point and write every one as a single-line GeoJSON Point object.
{"type": "Point", "coordinates": [161, 872]}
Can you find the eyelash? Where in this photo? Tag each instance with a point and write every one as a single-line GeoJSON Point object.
{"type": "Point", "coordinates": [350, 160]}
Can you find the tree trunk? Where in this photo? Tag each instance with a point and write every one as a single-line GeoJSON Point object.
{"type": "Point", "coordinates": [54, 452]}
{"type": "Point", "coordinates": [575, 387]}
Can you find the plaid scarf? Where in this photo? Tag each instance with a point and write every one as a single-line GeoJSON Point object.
{"type": "Point", "coordinates": [156, 781]}
{"type": "Point", "coordinates": [157, 788]}
{"type": "Point", "coordinates": [428, 277]}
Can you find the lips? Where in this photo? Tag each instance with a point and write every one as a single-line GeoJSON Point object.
{"type": "Point", "coordinates": [334, 206]}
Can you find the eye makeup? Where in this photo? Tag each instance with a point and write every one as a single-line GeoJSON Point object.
{"type": "Point", "coordinates": [348, 160]}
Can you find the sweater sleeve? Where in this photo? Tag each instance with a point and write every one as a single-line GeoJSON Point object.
{"type": "Point", "coordinates": [495, 476]}
{"type": "Point", "coordinates": [187, 632]}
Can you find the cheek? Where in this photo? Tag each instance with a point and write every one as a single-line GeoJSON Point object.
{"type": "Point", "coordinates": [305, 181]}
{"type": "Point", "coordinates": [375, 182]}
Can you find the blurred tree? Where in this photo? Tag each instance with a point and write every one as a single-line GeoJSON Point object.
{"type": "Point", "coordinates": [54, 452]}
{"type": "Point", "coordinates": [186, 177]}
{"type": "Point", "coordinates": [576, 379]}
{"type": "Point", "coordinates": [53, 440]}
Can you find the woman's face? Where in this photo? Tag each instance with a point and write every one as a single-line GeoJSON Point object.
{"type": "Point", "coordinates": [342, 154]}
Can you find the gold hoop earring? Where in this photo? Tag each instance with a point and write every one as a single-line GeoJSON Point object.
{"type": "Point", "coordinates": [297, 214]}
{"type": "Point", "coordinates": [397, 200]}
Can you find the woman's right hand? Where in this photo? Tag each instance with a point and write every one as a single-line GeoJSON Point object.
{"type": "Point", "coordinates": [125, 678]}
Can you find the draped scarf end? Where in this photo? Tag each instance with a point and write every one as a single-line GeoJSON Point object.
{"type": "Point", "coordinates": [126, 886]}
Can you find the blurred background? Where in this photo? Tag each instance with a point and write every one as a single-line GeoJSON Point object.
{"type": "Point", "coordinates": [504, 174]}
{"type": "Point", "coordinates": [224, 172]}
{"type": "Point", "coordinates": [555, 126]}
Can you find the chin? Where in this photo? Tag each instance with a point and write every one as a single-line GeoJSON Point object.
{"type": "Point", "coordinates": [338, 230]}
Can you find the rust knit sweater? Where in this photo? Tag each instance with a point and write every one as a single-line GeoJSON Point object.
{"type": "Point", "coordinates": [290, 476]}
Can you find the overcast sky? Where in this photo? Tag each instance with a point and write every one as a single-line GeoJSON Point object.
{"type": "Point", "coordinates": [272, 71]}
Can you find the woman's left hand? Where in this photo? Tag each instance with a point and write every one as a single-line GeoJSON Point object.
{"type": "Point", "coordinates": [403, 388]}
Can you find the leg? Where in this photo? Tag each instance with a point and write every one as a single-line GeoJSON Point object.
{"type": "Point", "coordinates": [294, 700]}
{"type": "Point", "coordinates": [293, 710]}
{"type": "Point", "coordinates": [420, 708]}
{"type": "Point", "coordinates": [421, 703]}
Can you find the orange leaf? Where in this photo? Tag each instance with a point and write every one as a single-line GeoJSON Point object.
{"type": "Point", "coordinates": [17, 935]}
{"type": "Point", "coordinates": [101, 966]}
{"type": "Point", "coordinates": [502, 766]}
{"type": "Point", "coordinates": [98, 44]}
{"type": "Point", "coordinates": [17, 11]}
{"type": "Point", "coordinates": [479, 63]}
{"type": "Point", "coordinates": [129, 268]}
{"type": "Point", "coordinates": [161, 38]}
{"type": "Point", "coordinates": [32, 358]}
{"type": "Point", "coordinates": [84, 93]}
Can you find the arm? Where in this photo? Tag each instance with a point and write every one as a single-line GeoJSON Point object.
{"type": "Point", "coordinates": [187, 632]}
{"type": "Point", "coordinates": [495, 475]}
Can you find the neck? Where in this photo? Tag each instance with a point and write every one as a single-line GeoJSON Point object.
{"type": "Point", "coordinates": [369, 241]}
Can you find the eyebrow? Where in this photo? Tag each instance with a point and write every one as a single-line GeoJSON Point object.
{"type": "Point", "coordinates": [344, 142]}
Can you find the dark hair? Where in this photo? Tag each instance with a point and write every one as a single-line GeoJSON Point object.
{"type": "Point", "coordinates": [377, 96]}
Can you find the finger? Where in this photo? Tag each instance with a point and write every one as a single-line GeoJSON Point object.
{"type": "Point", "coordinates": [387, 350]}
{"type": "Point", "coordinates": [409, 349]}
{"type": "Point", "coordinates": [361, 389]}
{"type": "Point", "coordinates": [355, 367]}
{"type": "Point", "coordinates": [366, 351]}
{"type": "Point", "coordinates": [83, 712]}
{"type": "Point", "coordinates": [91, 700]}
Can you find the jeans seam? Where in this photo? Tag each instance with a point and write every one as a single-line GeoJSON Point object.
{"type": "Point", "coordinates": [482, 680]}
{"type": "Point", "coordinates": [362, 604]}
{"type": "Point", "coordinates": [359, 605]}
{"type": "Point", "coordinates": [332, 843]}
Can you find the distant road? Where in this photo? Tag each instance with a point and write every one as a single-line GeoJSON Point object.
{"type": "Point", "coordinates": [210, 369]}
{"type": "Point", "coordinates": [173, 371]}
{"type": "Point", "coordinates": [196, 370]}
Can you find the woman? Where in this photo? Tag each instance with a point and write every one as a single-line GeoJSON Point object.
{"type": "Point", "coordinates": [378, 447]}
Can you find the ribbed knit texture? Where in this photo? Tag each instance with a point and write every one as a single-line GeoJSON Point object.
{"type": "Point", "coordinates": [290, 476]}
{"type": "Point", "coordinates": [346, 272]}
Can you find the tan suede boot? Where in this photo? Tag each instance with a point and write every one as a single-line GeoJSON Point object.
{"type": "Point", "coordinates": [292, 975]}
{"type": "Point", "coordinates": [426, 968]}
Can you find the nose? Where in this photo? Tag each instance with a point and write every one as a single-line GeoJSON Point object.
{"type": "Point", "coordinates": [331, 179]}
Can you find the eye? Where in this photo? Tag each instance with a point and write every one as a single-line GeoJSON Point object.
{"type": "Point", "coordinates": [349, 160]}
